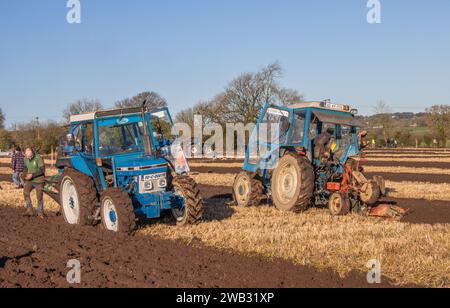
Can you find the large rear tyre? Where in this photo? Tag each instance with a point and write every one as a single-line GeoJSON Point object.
{"type": "Point", "coordinates": [339, 204]}
{"type": "Point", "coordinates": [78, 198]}
{"type": "Point", "coordinates": [248, 189]}
{"type": "Point", "coordinates": [117, 211]}
{"type": "Point", "coordinates": [293, 183]}
{"type": "Point", "coordinates": [192, 211]}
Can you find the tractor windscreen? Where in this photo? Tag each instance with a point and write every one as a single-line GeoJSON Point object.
{"type": "Point", "coordinates": [270, 132]}
{"type": "Point", "coordinates": [274, 127]}
{"type": "Point", "coordinates": [120, 137]}
{"type": "Point", "coordinates": [162, 128]}
{"type": "Point", "coordinates": [347, 136]}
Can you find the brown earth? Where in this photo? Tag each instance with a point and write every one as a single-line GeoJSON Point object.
{"type": "Point", "coordinates": [396, 177]}
{"type": "Point", "coordinates": [421, 211]}
{"type": "Point", "coordinates": [409, 177]}
{"type": "Point", "coordinates": [34, 253]}
{"type": "Point", "coordinates": [423, 164]}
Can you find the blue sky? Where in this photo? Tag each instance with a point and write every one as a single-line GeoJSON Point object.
{"type": "Point", "coordinates": [188, 50]}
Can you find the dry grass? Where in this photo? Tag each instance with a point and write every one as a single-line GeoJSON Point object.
{"type": "Point", "coordinates": [404, 190]}
{"type": "Point", "coordinates": [407, 155]}
{"type": "Point", "coordinates": [419, 190]}
{"type": "Point", "coordinates": [14, 198]}
{"type": "Point", "coordinates": [371, 169]}
{"type": "Point", "coordinates": [413, 160]}
{"type": "Point", "coordinates": [437, 150]}
{"type": "Point", "coordinates": [406, 170]}
{"type": "Point", "coordinates": [216, 165]}
{"type": "Point", "coordinates": [418, 254]}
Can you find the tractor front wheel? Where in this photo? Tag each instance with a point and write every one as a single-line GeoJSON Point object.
{"type": "Point", "coordinates": [248, 189]}
{"type": "Point", "coordinates": [78, 198]}
{"type": "Point", "coordinates": [117, 211]}
{"type": "Point", "coordinates": [339, 204]}
{"type": "Point", "coordinates": [192, 211]}
{"type": "Point", "coordinates": [293, 183]}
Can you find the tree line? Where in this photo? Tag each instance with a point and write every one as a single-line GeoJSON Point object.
{"type": "Point", "coordinates": [241, 101]}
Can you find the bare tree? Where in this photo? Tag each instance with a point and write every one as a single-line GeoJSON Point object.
{"type": "Point", "coordinates": [2, 119]}
{"type": "Point", "coordinates": [154, 101]}
{"type": "Point", "coordinates": [289, 97]}
{"type": "Point", "coordinates": [82, 106]}
{"type": "Point", "coordinates": [244, 98]}
{"type": "Point", "coordinates": [438, 118]}
{"type": "Point", "coordinates": [383, 118]}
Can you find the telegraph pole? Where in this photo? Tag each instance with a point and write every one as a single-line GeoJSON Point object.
{"type": "Point", "coordinates": [38, 132]}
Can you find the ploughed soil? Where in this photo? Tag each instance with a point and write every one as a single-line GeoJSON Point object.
{"type": "Point", "coordinates": [410, 151]}
{"type": "Point", "coordinates": [34, 253]}
{"type": "Point", "coordinates": [396, 177]}
{"type": "Point", "coordinates": [420, 211]}
{"type": "Point", "coordinates": [424, 164]}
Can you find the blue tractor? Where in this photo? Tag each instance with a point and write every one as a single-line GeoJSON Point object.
{"type": "Point", "coordinates": [117, 166]}
{"type": "Point", "coordinates": [286, 161]}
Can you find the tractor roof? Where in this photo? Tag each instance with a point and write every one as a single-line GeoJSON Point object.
{"type": "Point", "coordinates": [325, 105]}
{"type": "Point", "coordinates": [106, 113]}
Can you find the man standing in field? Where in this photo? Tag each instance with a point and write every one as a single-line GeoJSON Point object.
{"type": "Point", "coordinates": [34, 176]}
{"type": "Point", "coordinates": [17, 165]}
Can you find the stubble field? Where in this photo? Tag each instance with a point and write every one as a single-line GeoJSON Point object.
{"type": "Point", "coordinates": [308, 249]}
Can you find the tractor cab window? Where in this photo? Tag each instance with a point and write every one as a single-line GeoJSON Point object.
{"type": "Point", "coordinates": [274, 127]}
{"type": "Point", "coordinates": [88, 140]}
{"type": "Point", "coordinates": [162, 128]}
{"type": "Point", "coordinates": [313, 126]}
{"type": "Point", "coordinates": [299, 127]}
{"type": "Point", "coordinates": [120, 138]}
{"type": "Point", "coordinates": [346, 136]}
{"type": "Point", "coordinates": [78, 137]}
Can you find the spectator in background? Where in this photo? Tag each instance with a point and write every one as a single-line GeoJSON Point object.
{"type": "Point", "coordinates": [34, 176]}
{"type": "Point", "coordinates": [17, 165]}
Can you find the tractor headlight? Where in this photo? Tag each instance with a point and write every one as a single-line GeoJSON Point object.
{"type": "Point", "coordinates": [148, 185]}
{"type": "Point", "coordinates": [162, 183]}
{"type": "Point", "coordinates": [151, 183]}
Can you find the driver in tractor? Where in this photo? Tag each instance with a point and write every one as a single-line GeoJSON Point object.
{"type": "Point", "coordinates": [322, 145]}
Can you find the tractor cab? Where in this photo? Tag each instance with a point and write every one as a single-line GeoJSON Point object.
{"type": "Point", "coordinates": [131, 164]}
{"type": "Point", "coordinates": [307, 153]}
{"type": "Point", "coordinates": [297, 128]}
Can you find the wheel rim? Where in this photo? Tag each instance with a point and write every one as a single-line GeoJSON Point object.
{"type": "Point", "coordinates": [287, 182]}
{"type": "Point", "coordinates": [70, 202]}
{"type": "Point", "coordinates": [110, 217]}
{"type": "Point", "coordinates": [335, 204]}
{"type": "Point", "coordinates": [242, 190]}
{"type": "Point", "coordinates": [179, 212]}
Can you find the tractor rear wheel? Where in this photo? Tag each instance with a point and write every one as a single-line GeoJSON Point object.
{"type": "Point", "coordinates": [78, 198]}
{"type": "Point", "coordinates": [339, 204]}
{"type": "Point", "coordinates": [293, 183]}
{"type": "Point", "coordinates": [117, 211]}
{"type": "Point", "coordinates": [370, 193]}
{"type": "Point", "coordinates": [192, 211]}
{"type": "Point", "coordinates": [248, 189]}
